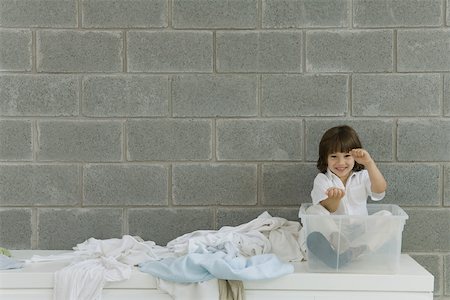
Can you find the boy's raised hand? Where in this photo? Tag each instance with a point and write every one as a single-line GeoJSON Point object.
{"type": "Point", "coordinates": [361, 156]}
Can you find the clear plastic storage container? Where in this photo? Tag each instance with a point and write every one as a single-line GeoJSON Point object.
{"type": "Point", "coordinates": [354, 244]}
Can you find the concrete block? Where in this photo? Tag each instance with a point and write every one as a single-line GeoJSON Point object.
{"type": "Point", "coordinates": [162, 225]}
{"type": "Point", "coordinates": [447, 95]}
{"type": "Point", "coordinates": [412, 184]}
{"type": "Point", "coordinates": [376, 136]}
{"type": "Point", "coordinates": [304, 95]}
{"type": "Point", "coordinates": [79, 141]}
{"type": "Point", "coordinates": [397, 13]}
{"type": "Point", "coordinates": [259, 51]}
{"type": "Point", "coordinates": [126, 96]}
{"type": "Point", "coordinates": [15, 228]}
{"type": "Point", "coordinates": [239, 216]}
{"type": "Point", "coordinates": [423, 140]}
{"type": "Point", "coordinates": [349, 51]}
{"type": "Point", "coordinates": [423, 50]}
{"type": "Point", "coordinates": [15, 50]}
{"type": "Point", "coordinates": [214, 95]}
{"type": "Point", "coordinates": [215, 14]}
{"type": "Point", "coordinates": [64, 228]}
{"type": "Point", "coordinates": [38, 13]}
{"type": "Point", "coordinates": [397, 95]}
{"type": "Point", "coordinates": [15, 140]}
{"type": "Point", "coordinates": [287, 184]}
{"type": "Point", "coordinates": [79, 51]}
{"type": "Point", "coordinates": [426, 230]}
{"type": "Point", "coordinates": [170, 51]}
{"type": "Point", "coordinates": [124, 13]}
{"type": "Point", "coordinates": [214, 184]}
{"type": "Point", "coordinates": [272, 140]}
{"type": "Point", "coordinates": [39, 95]}
{"type": "Point", "coordinates": [304, 13]}
{"type": "Point", "coordinates": [31, 185]}
{"type": "Point", "coordinates": [447, 185]}
{"type": "Point", "coordinates": [433, 264]}
{"type": "Point", "coordinates": [169, 139]}
{"type": "Point", "coordinates": [125, 185]}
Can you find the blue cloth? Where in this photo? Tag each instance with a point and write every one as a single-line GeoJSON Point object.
{"type": "Point", "coordinates": [9, 263]}
{"type": "Point", "coordinates": [197, 267]}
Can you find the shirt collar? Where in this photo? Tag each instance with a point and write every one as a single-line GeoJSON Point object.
{"type": "Point", "coordinates": [333, 176]}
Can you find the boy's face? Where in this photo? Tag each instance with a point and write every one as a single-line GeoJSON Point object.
{"type": "Point", "coordinates": [341, 164]}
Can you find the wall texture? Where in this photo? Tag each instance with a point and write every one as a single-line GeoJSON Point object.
{"type": "Point", "coordinates": [160, 117]}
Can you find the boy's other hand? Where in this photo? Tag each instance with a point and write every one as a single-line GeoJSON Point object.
{"type": "Point", "coordinates": [335, 193]}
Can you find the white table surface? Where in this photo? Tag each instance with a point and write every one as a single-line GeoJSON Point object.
{"type": "Point", "coordinates": [411, 277]}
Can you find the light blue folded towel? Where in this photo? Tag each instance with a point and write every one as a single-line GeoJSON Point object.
{"type": "Point", "coordinates": [197, 267]}
{"type": "Point", "coordinates": [9, 263]}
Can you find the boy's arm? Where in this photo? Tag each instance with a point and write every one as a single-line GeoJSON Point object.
{"type": "Point", "coordinates": [325, 194]}
{"type": "Point", "coordinates": [378, 183]}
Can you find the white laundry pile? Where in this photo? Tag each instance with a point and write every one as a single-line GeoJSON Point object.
{"type": "Point", "coordinates": [112, 259]}
{"type": "Point", "coordinates": [265, 234]}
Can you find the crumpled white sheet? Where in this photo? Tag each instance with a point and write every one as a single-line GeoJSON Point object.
{"type": "Point", "coordinates": [85, 280]}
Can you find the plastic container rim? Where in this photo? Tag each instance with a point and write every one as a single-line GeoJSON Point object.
{"type": "Point", "coordinates": [400, 213]}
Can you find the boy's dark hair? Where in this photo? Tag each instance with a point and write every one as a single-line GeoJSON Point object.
{"type": "Point", "coordinates": [338, 139]}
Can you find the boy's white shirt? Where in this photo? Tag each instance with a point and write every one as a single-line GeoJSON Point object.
{"type": "Point", "coordinates": [357, 190]}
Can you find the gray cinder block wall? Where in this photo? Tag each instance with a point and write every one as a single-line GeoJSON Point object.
{"type": "Point", "coordinates": [160, 117]}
